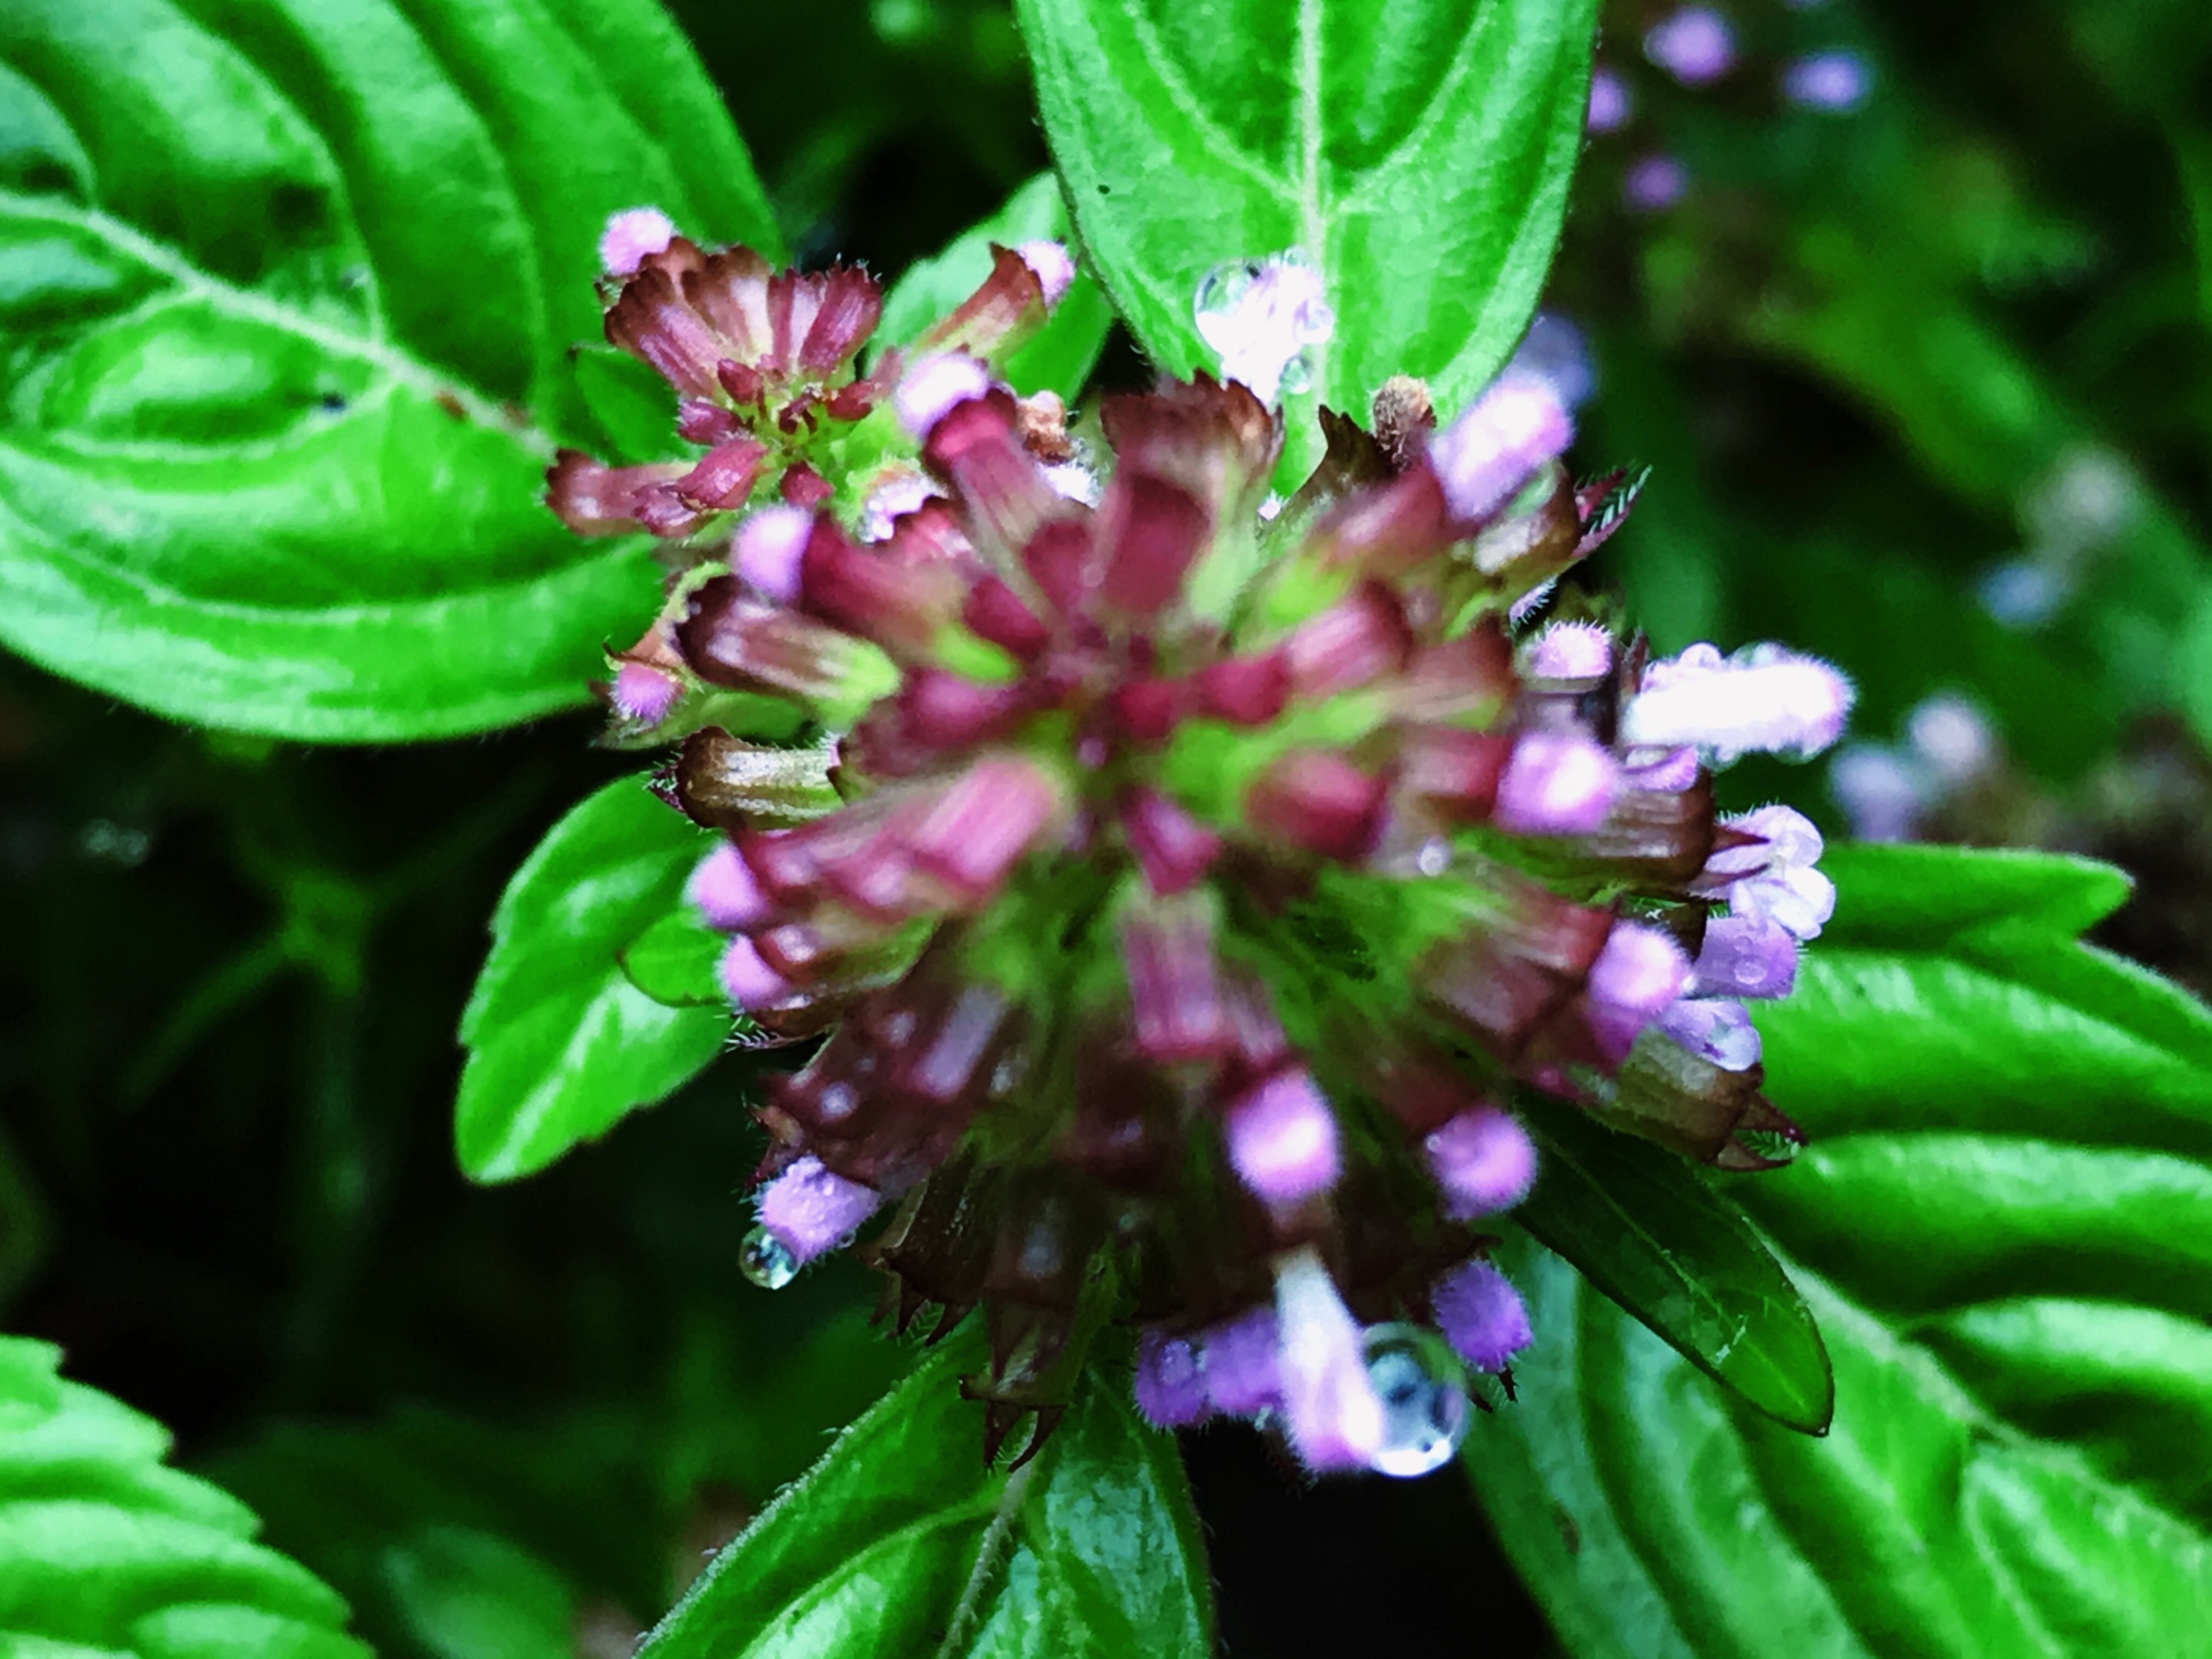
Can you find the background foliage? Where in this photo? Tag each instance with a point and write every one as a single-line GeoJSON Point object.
{"type": "Point", "coordinates": [1885, 363]}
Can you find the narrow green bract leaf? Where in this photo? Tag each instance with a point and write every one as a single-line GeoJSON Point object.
{"type": "Point", "coordinates": [1418, 152]}
{"type": "Point", "coordinates": [287, 294]}
{"type": "Point", "coordinates": [1645, 1228]}
{"type": "Point", "coordinates": [901, 1540]}
{"type": "Point", "coordinates": [106, 1550]}
{"type": "Point", "coordinates": [1061, 357]}
{"type": "Point", "coordinates": [2000, 1225]}
{"type": "Point", "coordinates": [561, 1042]}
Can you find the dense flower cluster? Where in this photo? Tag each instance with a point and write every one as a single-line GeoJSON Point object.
{"type": "Point", "coordinates": [1185, 880]}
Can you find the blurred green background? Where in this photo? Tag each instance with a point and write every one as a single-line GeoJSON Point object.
{"type": "Point", "coordinates": [1924, 383]}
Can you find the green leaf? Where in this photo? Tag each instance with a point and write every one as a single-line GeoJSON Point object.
{"type": "Point", "coordinates": [673, 961]}
{"type": "Point", "coordinates": [2001, 1225]}
{"type": "Point", "coordinates": [903, 1540]}
{"type": "Point", "coordinates": [560, 1043]}
{"type": "Point", "coordinates": [106, 1551]}
{"type": "Point", "coordinates": [288, 288]}
{"type": "Point", "coordinates": [1063, 355]}
{"type": "Point", "coordinates": [1643, 1227]}
{"type": "Point", "coordinates": [1418, 152]}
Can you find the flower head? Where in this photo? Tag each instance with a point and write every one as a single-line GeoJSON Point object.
{"type": "Point", "coordinates": [772, 406]}
{"type": "Point", "coordinates": [1188, 889]}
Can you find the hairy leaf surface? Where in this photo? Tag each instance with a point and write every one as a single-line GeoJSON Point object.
{"type": "Point", "coordinates": [561, 1042]}
{"type": "Point", "coordinates": [2001, 1225]}
{"type": "Point", "coordinates": [287, 291]}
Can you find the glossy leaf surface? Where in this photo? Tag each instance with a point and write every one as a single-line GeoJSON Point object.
{"type": "Point", "coordinates": [903, 1540]}
{"type": "Point", "coordinates": [287, 345]}
{"type": "Point", "coordinates": [561, 1042]}
{"type": "Point", "coordinates": [1419, 154]}
{"type": "Point", "coordinates": [1644, 1227]}
{"type": "Point", "coordinates": [2000, 1225]}
{"type": "Point", "coordinates": [106, 1551]}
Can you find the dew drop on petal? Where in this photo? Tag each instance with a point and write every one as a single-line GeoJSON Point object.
{"type": "Point", "coordinates": [1424, 1409]}
{"type": "Point", "coordinates": [767, 1259]}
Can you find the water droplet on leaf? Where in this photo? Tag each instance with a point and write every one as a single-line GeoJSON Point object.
{"type": "Point", "coordinates": [767, 1259]}
{"type": "Point", "coordinates": [1424, 1409]}
{"type": "Point", "coordinates": [1221, 287]}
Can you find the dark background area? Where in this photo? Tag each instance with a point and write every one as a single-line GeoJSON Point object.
{"type": "Point", "coordinates": [227, 1011]}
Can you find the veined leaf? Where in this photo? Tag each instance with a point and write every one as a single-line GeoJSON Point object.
{"type": "Point", "coordinates": [1061, 357]}
{"type": "Point", "coordinates": [1643, 1226]}
{"type": "Point", "coordinates": [287, 288]}
{"type": "Point", "coordinates": [561, 1042]}
{"type": "Point", "coordinates": [903, 1540]}
{"type": "Point", "coordinates": [2000, 1225]}
{"type": "Point", "coordinates": [106, 1551]}
{"type": "Point", "coordinates": [1418, 152]}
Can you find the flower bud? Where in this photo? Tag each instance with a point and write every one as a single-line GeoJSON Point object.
{"type": "Point", "coordinates": [1695, 46]}
{"type": "Point", "coordinates": [1838, 81]}
{"type": "Point", "coordinates": [1610, 106]}
{"type": "Point", "coordinates": [1172, 848]}
{"type": "Point", "coordinates": [1765, 698]}
{"type": "Point", "coordinates": [723, 891]}
{"type": "Point", "coordinates": [1640, 972]}
{"type": "Point", "coordinates": [1169, 1391]}
{"type": "Point", "coordinates": [1329, 1406]}
{"type": "Point", "coordinates": [1054, 270]}
{"type": "Point", "coordinates": [748, 982]}
{"type": "Point", "coordinates": [810, 1208]}
{"type": "Point", "coordinates": [1242, 1364]}
{"type": "Point", "coordinates": [1483, 1161]}
{"type": "Point", "coordinates": [1482, 1316]}
{"type": "Point", "coordinates": [1496, 447]}
{"type": "Point", "coordinates": [1283, 1139]}
{"type": "Point", "coordinates": [1572, 651]}
{"type": "Point", "coordinates": [645, 694]}
{"type": "Point", "coordinates": [1556, 784]}
{"type": "Point", "coordinates": [769, 546]}
{"type": "Point", "coordinates": [630, 236]}
{"type": "Point", "coordinates": [934, 385]}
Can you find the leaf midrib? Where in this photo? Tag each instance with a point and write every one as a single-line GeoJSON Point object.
{"type": "Point", "coordinates": [247, 306]}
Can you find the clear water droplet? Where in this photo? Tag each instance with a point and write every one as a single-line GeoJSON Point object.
{"type": "Point", "coordinates": [1298, 375]}
{"type": "Point", "coordinates": [1221, 287]}
{"type": "Point", "coordinates": [767, 1259]}
{"type": "Point", "coordinates": [1424, 1409]}
{"type": "Point", "coordinates": [1435, 856]}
